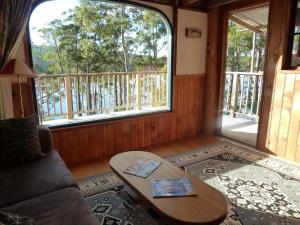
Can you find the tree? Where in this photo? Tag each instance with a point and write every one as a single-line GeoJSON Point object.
{"type": "Point", "coordinates": [239, 57]}
{"type": "Point", "coordinates": [100, 36]}
{"type": "Point", "coordinates": [239, 49]}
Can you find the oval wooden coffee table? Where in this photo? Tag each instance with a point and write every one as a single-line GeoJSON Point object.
{"type": "Point", "coordinates": [208, 206]}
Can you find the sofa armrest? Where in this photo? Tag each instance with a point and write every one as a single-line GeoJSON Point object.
{"type": "Point", "coordinates": [45, 138]}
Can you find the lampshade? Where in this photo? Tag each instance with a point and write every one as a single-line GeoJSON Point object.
{"type": "Point", "coordinates": [18, 67]}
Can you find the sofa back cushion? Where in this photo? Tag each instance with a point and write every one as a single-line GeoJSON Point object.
{"type": "Point", "coordinates": [19, 141]}
{"type": "Point", "coordinates": [45, 138]}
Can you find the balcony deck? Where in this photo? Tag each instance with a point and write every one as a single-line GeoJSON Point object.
{"type": "Point", "coordinates": [240, 129]}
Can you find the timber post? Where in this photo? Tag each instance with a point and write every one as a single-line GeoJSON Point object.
{"type": "Point", "coordinates": [69, 97]}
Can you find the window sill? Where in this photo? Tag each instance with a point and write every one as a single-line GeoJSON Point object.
{"type": "Point", "coordinates": [100, 118]}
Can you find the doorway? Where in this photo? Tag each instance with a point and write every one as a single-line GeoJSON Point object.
{"type": "Point", "coordinates": [244, 71]}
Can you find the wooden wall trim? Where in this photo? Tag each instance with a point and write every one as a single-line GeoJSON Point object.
{"type": "Point", "coordinates": [280, 111]}
{"type": "Point", "coordinates": [210, 115]}
{"type": "Point", "coordinates": [244, 5]}
{"type": "Point", "coordinates": [175, 30]}
{"type": "Point", "coordinates": [279, 11]}
{"type": "Point", "coordinates": [222, 62]}
{"type": "Point", "coordinates": [216, 59]}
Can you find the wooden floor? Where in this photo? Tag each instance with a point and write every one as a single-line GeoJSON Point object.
{"type": "Point", "coordinates": [95, 167]}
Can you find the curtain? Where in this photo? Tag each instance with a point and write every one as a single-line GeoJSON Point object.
{"type": "Point", "coordinates": [14, 15]}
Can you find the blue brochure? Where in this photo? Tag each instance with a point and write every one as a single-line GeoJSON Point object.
{"type": "Point", "coordinates": [172, 187]}
{"type": "Point", "coordinates": [143, 167]}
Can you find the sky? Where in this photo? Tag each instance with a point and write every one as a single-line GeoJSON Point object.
{"type": "Point", "coordinates": [46, 12]}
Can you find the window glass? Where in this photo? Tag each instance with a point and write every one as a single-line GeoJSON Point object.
{"type": "Point", "coordinates": [295, 62]}
{"type": "Point", "coordinates": [99, 60]}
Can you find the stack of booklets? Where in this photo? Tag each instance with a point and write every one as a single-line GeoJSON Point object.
{"type": "Point", "coordinates": [172, 188]}
{"type": "Point", "coordinates": [163, 187]}
{"type": "Point", "coordinates": [142, 167]}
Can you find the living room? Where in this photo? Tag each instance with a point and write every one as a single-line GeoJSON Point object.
{"type": "Point", "coordinates": [203, 94]}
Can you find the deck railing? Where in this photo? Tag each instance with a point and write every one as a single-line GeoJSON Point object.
{"type": "Point", "coordinates": [75, 95]}
{"type": "Point", "coordinates": [243, 93]}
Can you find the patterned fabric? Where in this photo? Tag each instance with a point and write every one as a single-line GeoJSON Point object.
{"type": "Point", "coordinates": [14, 15]}
{"type": "Point", "coordinates": [14, 219]}
{"type": "Point", "coordinates": [19, 141]}
{"type": "Point", "coordinates": [260, 189]}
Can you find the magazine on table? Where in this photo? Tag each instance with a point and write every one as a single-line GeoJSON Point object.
{"type": "Point", "coordinates": [143, 167]}
{"type": "Point", "coordinates": [172, 187]}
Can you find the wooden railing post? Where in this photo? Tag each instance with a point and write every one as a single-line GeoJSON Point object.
{"type": "Point", "coordinates": [138, 91]}
{"type": "Point", "coordinates": [153, 98]}
{"type": "Point", "coordinates": [234, 93]}
{"type": "Point", "coordinates": [70, 91]}
{"type": "Point", "coordinates": [69, 97]}
{"type": "Point", "coordinates": [40, 96]}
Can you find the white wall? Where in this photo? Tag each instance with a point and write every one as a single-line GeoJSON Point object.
{"type": "Point", "coordinates": [191, 52]}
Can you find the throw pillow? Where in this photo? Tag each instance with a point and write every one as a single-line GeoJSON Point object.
{"type": "Point", "coordinates": [14, 219]}
{"type": "Point", "coordinates": [19, 141]}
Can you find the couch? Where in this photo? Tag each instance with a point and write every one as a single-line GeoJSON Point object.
{"type": "Point", "coordinates": [44, 190]}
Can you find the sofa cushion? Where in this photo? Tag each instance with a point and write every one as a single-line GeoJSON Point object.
{"type": "Point", "coordinates": [33, 179]}
{"type": "Point", "coordinates": [65, 206]}
{"type": "Point", "coordinates": [45, 138]}
{"type": "Point", "coordinates": [14, 219]}
{"type": "Point", "coordinates": [19, 141]}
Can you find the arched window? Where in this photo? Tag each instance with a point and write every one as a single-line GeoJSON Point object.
{"type": "Point", "coordinates": [99, 60]}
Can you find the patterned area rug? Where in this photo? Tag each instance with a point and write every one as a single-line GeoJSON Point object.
{"type": "Point", "coordinates": [260, 189]}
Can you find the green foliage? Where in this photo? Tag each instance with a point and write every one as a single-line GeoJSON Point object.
{"type": "Point", "coordinates": [99, 36]}
{"type": "Point", "coordinates": [239, 59]}
{"type": "Point", "coordinates": [39, 62]}
{"type": "Point", "coordinates": [239, 49]}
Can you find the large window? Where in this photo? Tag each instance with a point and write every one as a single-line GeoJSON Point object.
{"type": "Point", "coordinates": [293, 57]}
{"type": "Point", "coordinates": [99, 60]}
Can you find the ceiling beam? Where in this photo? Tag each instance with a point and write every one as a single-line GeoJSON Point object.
{"type": "Point", "coordinates": [164, 2]}
{"type": "Point", "coordinates": [215, 3]}
{"type": "Point", "coordinates": [190, 2]}
{"type": "Point", "coordinates": [243, 24]}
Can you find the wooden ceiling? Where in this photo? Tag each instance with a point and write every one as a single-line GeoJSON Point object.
{"type": "Point", "coordinates": [193, 4]}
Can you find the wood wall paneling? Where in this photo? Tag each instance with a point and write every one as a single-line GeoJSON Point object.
{"type": "Point", "coordinates": [286, 107]}
{"type": "Point", "coordinates": [275, 123]}
{"type": "Point", "coordinates": [99, 141]}
{"type": "Point", "coordinates": [294, 129]}
{"type": "Point", "coordinates": [283, 135]}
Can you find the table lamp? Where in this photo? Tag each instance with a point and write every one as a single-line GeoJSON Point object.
{"type": "Point", "coordinates": [18, 68]}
